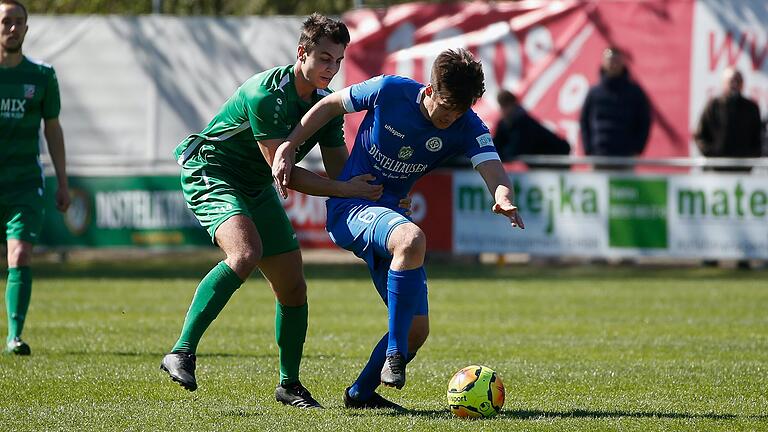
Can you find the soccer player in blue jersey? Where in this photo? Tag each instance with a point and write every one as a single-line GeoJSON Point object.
{"type": "Point", "coordinates": [409, 129]}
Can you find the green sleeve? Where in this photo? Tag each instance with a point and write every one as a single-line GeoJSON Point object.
{"type": "Point", "coordinates": [333, 133]}
{"type": "Point", "coordinates": [51, 101]}
{"type": "Point", "coordinates": [267, 114]}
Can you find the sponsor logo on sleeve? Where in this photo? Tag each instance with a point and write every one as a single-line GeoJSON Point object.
{"type": "Point", "coordinates": [485, 140]}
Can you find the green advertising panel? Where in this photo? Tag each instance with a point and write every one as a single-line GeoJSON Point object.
{"type": "Point", "coordinates": [638, 213]}
{"type": "Point", "coordinates": [146, 211]}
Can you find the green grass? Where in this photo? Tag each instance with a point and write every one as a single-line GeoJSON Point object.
{"type": "Point", "coordinates": [579, 348]}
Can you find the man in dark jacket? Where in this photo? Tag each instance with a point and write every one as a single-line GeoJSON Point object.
{"type": "Point", "coordinates": [730, 124]}
{"type": "Point", "coordinates": [616, 116]}
{"type": "Point", "coordinates": [517, 133]}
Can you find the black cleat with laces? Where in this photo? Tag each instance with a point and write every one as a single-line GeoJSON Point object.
{"type": "Point", "coordinates": [181, 368]}
{"type": "Point", "coordinates": [374, 402]}
{"type": "Point", "coordinates": [16, 346]}
{"type": "Point", "coordinates": [296, 395]}
{"type": "Point", "coordinates": [393, 372]}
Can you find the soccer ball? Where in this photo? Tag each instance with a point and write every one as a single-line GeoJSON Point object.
{"type": "Point", "coordinates": [476, 391]}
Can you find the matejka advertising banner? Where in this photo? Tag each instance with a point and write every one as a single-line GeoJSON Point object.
{"type": "Point", "coordinates": [594, 214]}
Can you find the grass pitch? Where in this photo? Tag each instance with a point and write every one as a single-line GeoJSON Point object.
{"type": "Point", "coordinates": [579, 349]}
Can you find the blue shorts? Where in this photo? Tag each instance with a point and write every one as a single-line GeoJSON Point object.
{"type": "Point", "coordinates": [364, 230]}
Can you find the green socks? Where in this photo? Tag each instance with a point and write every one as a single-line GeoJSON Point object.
{"type": "Point", "coordinates": [17, 294]}
{"type": "Point", "coordinates": [290, 332]}
{"type": "Point", "coordinates": [212, 294]}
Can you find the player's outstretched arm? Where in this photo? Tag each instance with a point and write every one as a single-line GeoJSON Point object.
{"type": "Point", "coordinates": [54, 138]}
{"type": "Point", "coordinates": [310, 183]}
{"type": "Point", "coordinates": [317, 116]}
{"type": "Point", "coordinates": [497, 181]}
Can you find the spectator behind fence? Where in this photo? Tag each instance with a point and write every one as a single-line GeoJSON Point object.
{"type": "Point", "coordinates": [517, 133]}
{"type": "Point", "coordinates": [616, 116]}
{"type": "Point", "coordinates": [730, 124]}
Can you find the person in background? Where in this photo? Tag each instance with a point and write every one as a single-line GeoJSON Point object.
{"type": "Point", "coordinates": [730, 124]}
{"type": "Point", "coordinates": [616, 116]}
{"type": "Point", "coordinates": [29, 93]}
{"type": "Point", "coordinates": [518, 133]}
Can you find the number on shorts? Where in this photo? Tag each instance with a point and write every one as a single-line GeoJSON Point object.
{"type": "Point", "coordinates": [366, 216]}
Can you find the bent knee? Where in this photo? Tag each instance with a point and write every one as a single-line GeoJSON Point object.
{"type": "Point", "coordinates": [246, 258]}
{"type": "Point", "coordinates": [19, 256]}
{"type": "Point", "coordinates": [408, 240]}
{"type": "Point", "coordinates": [294, 294]}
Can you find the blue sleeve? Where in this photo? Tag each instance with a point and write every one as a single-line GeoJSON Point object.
{"type": "Point", "coordinates": [364, 95]}
{"type": "Point", "coordinates": [477, 141]}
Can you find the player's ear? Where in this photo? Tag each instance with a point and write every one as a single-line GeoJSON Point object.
{"type": "Point", "coordinates": [428, 91]}
{"type": "Point", "coordinates": [301, 53]}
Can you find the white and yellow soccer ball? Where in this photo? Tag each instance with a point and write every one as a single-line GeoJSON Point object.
{"type": "Point", "coordinates": [476, 391]}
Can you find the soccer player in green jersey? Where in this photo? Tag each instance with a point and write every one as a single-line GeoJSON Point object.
{"type": "Point", "coordinates": [227, 182]}
{"type": "Point", "coordinates": [29, 93]}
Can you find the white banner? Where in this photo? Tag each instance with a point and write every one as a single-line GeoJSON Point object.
{"type": "Point", "coordinates": [617, 215]}
{"type": "Point", "coordinates": [133, 87]}
{"type": "Point", "coordinates": [718, 216]}
{"type": "Point", "coordinates": [564, 214]}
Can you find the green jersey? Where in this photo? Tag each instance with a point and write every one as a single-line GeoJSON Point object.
{"type": "Point", "coordinates": [29, 92]}
{"type": "Point", "coordinates": [265, 107]}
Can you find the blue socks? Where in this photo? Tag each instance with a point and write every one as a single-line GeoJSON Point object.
{"type": "Point", "coordinates": [370, 377]}
{"type": "Point", "coordinates": [403, 292]}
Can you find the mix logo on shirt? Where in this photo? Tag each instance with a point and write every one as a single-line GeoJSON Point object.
{"type": "Point", "coordinates": [12, 108]}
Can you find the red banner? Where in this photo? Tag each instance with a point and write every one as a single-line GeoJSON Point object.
{"type": "Point", "coordinates": [547, 52]}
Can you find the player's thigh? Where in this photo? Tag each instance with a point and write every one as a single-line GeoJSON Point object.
{"type": "Point", "coordinates": [211, 198]}
{"type": "Point", "coordinates": [364, 230]}
{"type": "Point", "coordinates": [275, 229]}
{"type": "Point", "coordinates": [285, 275]}
{"type": "Point", "coordinates": [23, 213]}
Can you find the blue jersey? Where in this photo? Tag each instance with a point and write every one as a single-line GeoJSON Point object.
{"type": "Point", "coordinates": [398, 144]}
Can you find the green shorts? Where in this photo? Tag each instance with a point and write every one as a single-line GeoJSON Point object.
{"type": "Point", "coordinates": [213, 201]}
{"type": "Point", "coordinates": [22, 214]}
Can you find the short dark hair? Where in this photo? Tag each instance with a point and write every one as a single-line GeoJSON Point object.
{"type": "Point", "coordinates": [613, 51]}
{"type": "Point", "coordinates": [506, 98]}
{"type": "Point", "coordinates": [458, 78]}
{"type": "Point", "coordinates": [317, 26]}
{"type": "Point", "coordinates": [16, 3]}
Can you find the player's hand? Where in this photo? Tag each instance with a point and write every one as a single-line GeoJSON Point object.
{"type": "Point", "coordinates": [511, 212]}
{"type": "Point", "coordinates": [281, 168]}
{"type": "Point", "coordinates": [62, 199]}
{"type": "Point", "coordinates": [359, 187]}
{"type": "Point", "coordinates": [405, 203]}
